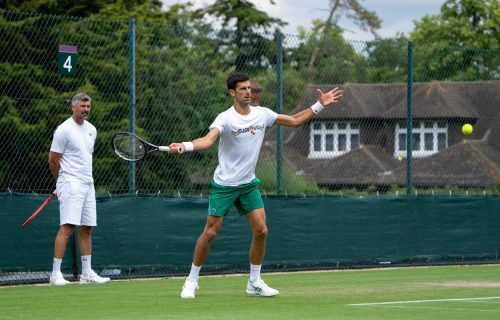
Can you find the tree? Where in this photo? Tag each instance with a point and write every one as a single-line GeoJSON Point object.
{"type": "Point", "coordinates": [241, 15]}
{"type": "Point", "coordinates": [387, 60]}
{"type": "Point", "coordinates": [86, 8]}
{"type": "Point", "coordinates": [330, 29]}
{"type": "Point", "coordinates": [178, 81]}
{"type": "Point", "coordinates": [240, 40]}
{"type": "Point", "coordinates": [462, 23]}
{"type": "Point", "coordinates": [461, 43]}
{"type": "Point", "coordinates": [351, 9]}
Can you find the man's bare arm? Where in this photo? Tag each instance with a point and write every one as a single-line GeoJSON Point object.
{"type": "Point", "coordinates": [199, 144]}
{"type": "Point", "coordinates": [54, 163]}
{"type": "Point", "coordinates": [298, 119]}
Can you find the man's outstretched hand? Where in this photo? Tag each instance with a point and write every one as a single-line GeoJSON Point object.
{"type": "Point", "coordinates": [332, 96]}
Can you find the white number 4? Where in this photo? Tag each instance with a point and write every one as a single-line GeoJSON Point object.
{"type": "Point", "coordinates": [67, 64]}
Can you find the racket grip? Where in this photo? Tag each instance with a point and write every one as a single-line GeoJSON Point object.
{"type": "Point", "coordinates": [164, 148]}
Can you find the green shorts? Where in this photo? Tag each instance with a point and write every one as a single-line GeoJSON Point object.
{"type": "Point", "coordinates": [245, 197]}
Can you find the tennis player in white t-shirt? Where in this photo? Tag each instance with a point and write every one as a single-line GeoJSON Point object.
{"type": "Point", "coordinates": [70, 162]}
{"type": "Point", "coordinates": [241, 131]}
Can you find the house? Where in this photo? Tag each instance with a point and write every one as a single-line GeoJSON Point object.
{"type": "Point", "coordinates": [361, 141]}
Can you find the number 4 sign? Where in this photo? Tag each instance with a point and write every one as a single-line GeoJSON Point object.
{"type": "Point", "coordinates": [67, 56]}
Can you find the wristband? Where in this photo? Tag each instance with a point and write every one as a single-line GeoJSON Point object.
{"type": "Point", "coordinates": [188, 146]}
{"type": "Point", "coordinates": [317, 108]}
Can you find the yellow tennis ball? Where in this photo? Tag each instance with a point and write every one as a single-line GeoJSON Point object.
{"type": "Point", "coordinates": [400, 158]}
{"type": "Point", "coordinates": [467, 129]}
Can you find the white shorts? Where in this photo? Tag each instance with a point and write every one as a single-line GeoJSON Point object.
{"type": "Point", "coordinates": [77, 205]}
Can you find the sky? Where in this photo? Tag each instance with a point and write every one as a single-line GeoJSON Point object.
{"type": "Point", "coordinates": [396, 15]}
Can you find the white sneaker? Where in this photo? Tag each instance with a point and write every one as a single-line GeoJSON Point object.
{"type": "Point", "coordinates": [260, 288]}
{"type": "Point", "coordinates": [189, 289]}
{"type": "Point", "coordinates": [57, 279]}
{"type": "Point", "coordinates": [92, 278]}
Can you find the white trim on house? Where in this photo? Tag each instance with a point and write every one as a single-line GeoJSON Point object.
{"type": "Point", "coordinates": [330, 139]}
{"type": "Point", "coordinates": [429, 137]}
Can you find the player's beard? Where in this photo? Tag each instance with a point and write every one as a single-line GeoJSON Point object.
{"type": "Point", "coordinates": [245, 101]}
{"type": "Point", "coordinates": [85, 116]}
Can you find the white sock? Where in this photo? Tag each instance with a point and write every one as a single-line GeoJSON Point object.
{"type": "Point", "coordinates": [254, 272]}
{"type": "Point", "coordinates": [86, 268]}
{"type": "Point", "coordinates": [194, 273]}
{"type": "Point", "coordinates": [56, 266]}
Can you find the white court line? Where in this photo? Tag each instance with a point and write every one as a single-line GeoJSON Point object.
{"type": "Point", "coordinates": [420, 301]}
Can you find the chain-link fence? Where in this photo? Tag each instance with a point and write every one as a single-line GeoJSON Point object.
{"type": "Point", "coordinates": [166, 82]}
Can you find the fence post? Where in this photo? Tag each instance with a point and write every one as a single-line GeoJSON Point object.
{"type": "Point", "coordinates": [131, 88]}
{"type": "Point", "coordinates": [409, 121]}
{"type": "Point", "coordinates": [279, 108]}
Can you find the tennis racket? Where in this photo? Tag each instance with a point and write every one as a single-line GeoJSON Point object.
{"type": "Point", "coordinates": [130, 147]}
{"type": "Point", "coordinates": [37, 211]}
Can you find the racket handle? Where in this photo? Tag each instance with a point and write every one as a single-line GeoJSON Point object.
{"type": "Point", "coordinates": [164, 148]}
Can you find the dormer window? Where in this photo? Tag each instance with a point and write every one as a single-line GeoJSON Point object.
{"type": "Point", "coordinates": [329, 139]}
{"type": "Point", "coordinates": [429, 137]}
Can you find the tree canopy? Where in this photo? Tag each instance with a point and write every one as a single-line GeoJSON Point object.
{"type": "Point", "coordinates": [462, 23]}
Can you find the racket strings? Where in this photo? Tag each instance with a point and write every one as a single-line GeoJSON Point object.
{"type": "Point", "coordinates": [129, 147]}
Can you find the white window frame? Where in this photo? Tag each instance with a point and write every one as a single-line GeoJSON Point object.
{"type": "Point", "coordinates": [420, 129]}
{"type": "Point", "coordinates": [335, 131]}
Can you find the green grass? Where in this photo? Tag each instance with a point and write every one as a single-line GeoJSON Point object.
{"type": "Point", "coordinates": [310, 295]}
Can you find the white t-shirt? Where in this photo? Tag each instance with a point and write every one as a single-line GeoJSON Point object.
{"type": "Point", "coordinates": [76, 144]}
{"type": "Point", "coordinates": [241, 137]}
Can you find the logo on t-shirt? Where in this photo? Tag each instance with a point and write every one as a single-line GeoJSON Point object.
{"type": "Point", "coordinates": [252, 130]}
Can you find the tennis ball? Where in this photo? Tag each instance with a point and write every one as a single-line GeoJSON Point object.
{"type": "Point", "coordinates": [467, 129]}
{"type": "Point", "coordinates": [400, 158]}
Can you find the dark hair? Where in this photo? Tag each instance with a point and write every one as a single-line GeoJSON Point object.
{"type": "Point", "coordinates": [234, 78]}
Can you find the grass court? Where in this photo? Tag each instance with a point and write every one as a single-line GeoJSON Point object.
{"type": "Point", "coordinates": [440, 293]}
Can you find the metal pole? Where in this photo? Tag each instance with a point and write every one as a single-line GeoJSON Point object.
{"type": "Point", "coordinates": [131, 88]}
{"type": "Point", "coordinates": [409, 122]}
{"type": "Point", "coordinates": [279, 108]}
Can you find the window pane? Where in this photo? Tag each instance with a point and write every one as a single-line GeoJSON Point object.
{"type": "Point", "coordinates": [355, 125]}
{"type": "Point", "coordinates": [402, 141]}
{"type": "Point", "coordinates": [329, 142]}
{"type": "Point", "coordinates": [354, 140]}
{"type": "Point", "coordinates": [442, 124]}
{"type": "Point", "coordinates": [416, 141]}
{"type": "Point", "coordinates": [317, 142]}
{"type": "Point", "coordinates": [329, 126]}
{"type": "Point", "coordinates": [429, 141]}
{"type": "Point", "coordinates": [342, 125]}
{"type": "Point", "coordinates": [317, 126]}
{"type": "Point", "coordinates": [342, 142]}
{"type": "Point", "coordinates": [442, 141]}
{"type": "Point", "coordinates": [429, 124]}
{"type": "Point", "coordinates": [402, 124]}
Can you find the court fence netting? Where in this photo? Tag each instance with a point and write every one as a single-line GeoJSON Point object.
{"type": "Point", "coordinates": [166, 83]}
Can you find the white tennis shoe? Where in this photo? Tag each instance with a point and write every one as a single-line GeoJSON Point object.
{"type": "Point", "coordinates": [57, 279]}
{"type": "Point", "coordinates": [92, 278]}
{"type": "Point", "coordinates": [260, 288]}
{"type": "Point", "coordinates": [189, 289]}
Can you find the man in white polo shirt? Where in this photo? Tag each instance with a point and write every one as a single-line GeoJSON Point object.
{"type": "Point", "coordinates": [70, 162]}
{"type": "Point", "coordinates": [240, 131]}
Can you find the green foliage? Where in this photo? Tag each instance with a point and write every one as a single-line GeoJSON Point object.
{"type": "Point", "coordinates": [87, 8]}
{"type": "Point", "coordinates": [472, 27]}
{"type": "Point", "coordinates": [181, 66]}
{"type": "Point", "coordinates": [240, 14]}
{"type": "Point", "coordinates": [387, 60]}
{"type": "Point", "coordinates": [462, 23]}
{"type": "Point", "coordinates": [293, 182]}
